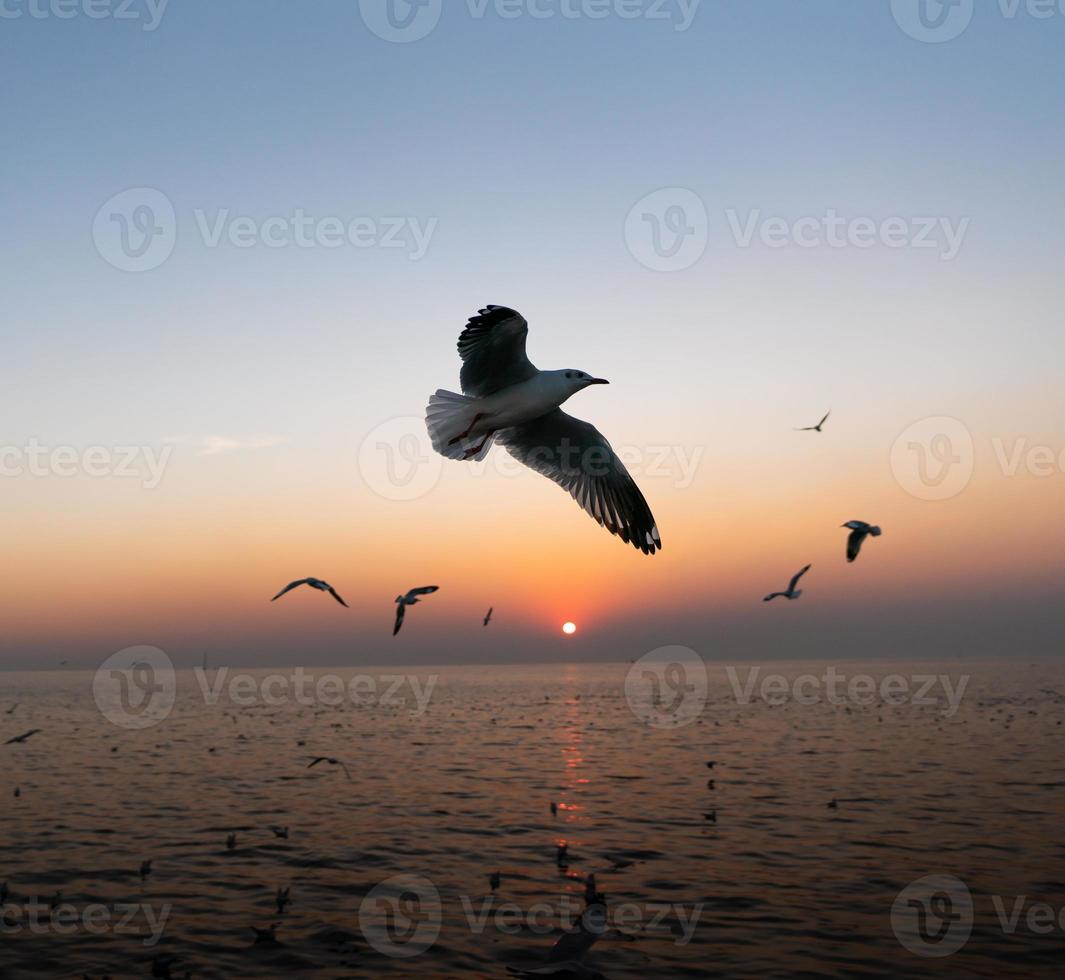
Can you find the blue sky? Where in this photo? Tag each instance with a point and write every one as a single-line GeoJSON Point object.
{"type": "Point", "coordinates": [526, 142]}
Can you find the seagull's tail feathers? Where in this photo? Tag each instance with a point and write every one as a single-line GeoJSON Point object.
{"type": "Point", "coordinates": [448, 416]}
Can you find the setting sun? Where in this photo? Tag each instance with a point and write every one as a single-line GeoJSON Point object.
{"type": "Point", "coordinates": [569, 628]}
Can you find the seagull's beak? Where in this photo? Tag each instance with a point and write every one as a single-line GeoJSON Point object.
{"type": "Point", "coordinates": [598, 381]}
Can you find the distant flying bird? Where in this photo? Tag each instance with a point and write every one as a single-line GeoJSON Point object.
{"type": "Point", "coordinates": [280, 832]}
{"type": "Point", "coordinates": [815, 428]}
{"type": "Point", "coordinates": [146, 869]}
{"type": "Point", "coordinates": [507, 398]}
{"type": "Point", "coordinates": [22, 738]}
{"type": "Point", "coordinates": [330, 762]}
{"type": "Point", "coordinates": [11, 710]}
{"type": "Point", "coordinates": [282, 900]}
{"type": "Point", "coordinates": [231, 842]}
{"type": "Point", "coordinates": [410, 599]}
{"type": "Point", "coordinates": [314, 583]}
{"type": "Point", "coordinates": [268, 935]}
{"type": "Point", "coordinates": [488, 615]}
{"type": "Point", "coordinates": [791, 592]}
{"type": "Point", "coordinates": [494, 879]}
{"type": "Point", "coordinates": [859, 532]}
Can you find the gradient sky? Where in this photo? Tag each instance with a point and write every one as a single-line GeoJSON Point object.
{"type": "Point", "coordinates": [529, 141]}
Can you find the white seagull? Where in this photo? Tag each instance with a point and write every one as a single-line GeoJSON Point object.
{"type": "Point", "coordinates": [410, 599]}
{"type": "Point", "coordinates": [816, 428]}
{"type": "Point", "coordinates": [314, 583]}
{"type": "Point", "coordinates": [860, 530]}
{"type": "Point", "coordinates": [507, 398]}
{"type": "Point", "coordinates": [791, 592]}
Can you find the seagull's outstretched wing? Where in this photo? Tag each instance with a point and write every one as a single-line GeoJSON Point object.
{"type": "Point", "coordinates": [335, 595]}
{"type": "Point", "coordinates": [854, 543]}
{"type": "Point", "coordinates": [825, 419]}
{"type": "Point", "coordinates": [424, 590]}
{"type": "Point", "coordinates": [579, 459]}
{"type": "Point", "coordinates": [774, 595]}
{"type": "Point", "coordinates": [320, 758]}
{"type": "Point", "coordinates": [289, 588]}
{"type": "Point", "coordinates": [798, 575]}
{"type": "Point", "coordinates": [401, 611]}
{"type": "Point", "coordinates": [492, 348]}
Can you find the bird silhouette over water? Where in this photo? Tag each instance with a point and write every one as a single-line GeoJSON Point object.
{"type": "Point", "coordinates": [282, 899]}
{"type": "Point", "coordinates": [280, 832]}
{"type": "Point", "coordinates": [507, 398]}
{"type": "Point", "coordinates": [791, 592]}
{"type": "Point", "coordinates": [816, 428]}
{"type": "Point", "coordinates": [330, 762]}
{"type": "Point", "coordinates": [860, 530]}
{"type": "Point", "coordinates": [314, 583]}
{"type": "Point", "coordinates": [19, 739]}
{"type": "Point", "coordinates": [146, 869]}
{"type": "Point", "coordinates": [494, 880]}
{"type": "Point", "coordinates": [410, 599]}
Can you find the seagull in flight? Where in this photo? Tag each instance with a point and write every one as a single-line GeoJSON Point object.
{"type": "Point", "coordinates": [506, 398]}
{"type": "Point", "coordinates": [791, 592]}
{"type": "Point", "coordinates": [488, 615]}
{"type": "Point", "coordinates": [410, 599]}
{"type": "Point", "coordinates": [816, 428]}
{"type": "Point", "coordinates": [860, 530]}
{"type": "Point", "coordinates": [19, 739]}
{"type": "Point", "coordinates": [314, 583]}
{"type": "Point", "coordinates": [331, 762]}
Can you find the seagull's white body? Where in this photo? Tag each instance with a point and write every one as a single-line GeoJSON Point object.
{"type": "Point", "coordinates": [507, 398]}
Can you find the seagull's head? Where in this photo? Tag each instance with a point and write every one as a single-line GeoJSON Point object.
{"type": "Point", "coordinates": [578, 380]}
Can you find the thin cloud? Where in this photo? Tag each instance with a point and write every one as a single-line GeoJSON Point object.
{"type": "Point", "coordinates": [220, 445]}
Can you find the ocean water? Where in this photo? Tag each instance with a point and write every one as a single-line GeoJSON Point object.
{"type": "Point", "coordinates": [744, 869]}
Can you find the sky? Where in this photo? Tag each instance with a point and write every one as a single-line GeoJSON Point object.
{"type": "Point", "coordinates": [240, 241]}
